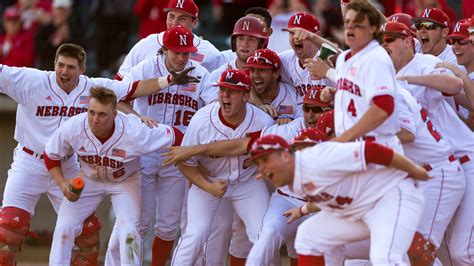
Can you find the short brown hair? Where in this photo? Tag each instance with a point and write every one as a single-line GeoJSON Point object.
{"type": "Point", "coordinates": [104, 96]}
{"type": "Point", "coordinates": [365, 9]}
{"type": "Point", "coordinates": [73, 51]}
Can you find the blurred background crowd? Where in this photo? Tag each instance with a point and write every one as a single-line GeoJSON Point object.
{"type": "Point", "coordinates": [33, 29]}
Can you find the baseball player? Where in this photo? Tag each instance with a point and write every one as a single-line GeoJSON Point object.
{"type": "Point", "coordinates": [429, 85]}
{"type": "Point", "coordinates": [249, 34]}
{"type": "Point", "coordinates": [178, 12]}
{"type": "Point", "coordinates": [462, 48]}
{"type": "Point", "coordinates": [163, 188]}
{"type": "Point", "coordinates": [433, 28]}
{"type": "Point", "coordinates": [260, 13]}
{"type": "Point", "coordinates": [353, 202]}
{"type": "Point", "coordinates": [293, 71]}
{"type": "Point", "coordinates": [230, 118]}
{"type": "Point", "coordinates": [407, 20]}
{"type": "Point", "coordinates": [108, 145]}
{"type": "Point", "coordinates": [264, 66]}
{"type": "Point", "coordinates": [46, 100]}
{"type": "Point", "coordinates": [266, 248]}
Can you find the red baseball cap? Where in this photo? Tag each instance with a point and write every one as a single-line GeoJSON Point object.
{"type": "Point", "coordinates": [396, 28]}
{"type": "Point", "coordinates": [304, 20]}
{"type": "Point", "coordinates": [308, 137]}
{"type": "Point", "coordinates": [186, 6]}
{"type": "Point", "coordinates": [312, 97]}
{"type": "Point", "coordinates": [433, 15]}
{"type": "Point", "coordinates": [179, 39]}
{"type": "Point", "coordinates": [264, 58]}
{"type": "Point", "coordinates": [461, 30]}
{"type": "Point", "coordinates": [266, 145]}
{"type": "Point", "coordinates": [12, 13]}
{"type": "Point", "coordinates": [403, 18]}
{"type": "Point", "coordinates": [235, 79]}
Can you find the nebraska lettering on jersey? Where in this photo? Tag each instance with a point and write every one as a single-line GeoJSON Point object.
{"type": "Point", "coordinates": [172, 98]}
{"type": "Point", "coordinates": [101, 161]}
{"type": "Point", "coordinates": [303, 88]}
{"type": "Point", "coordinates": [325, 197]}
{"type": "Point", "coordinates": [347, 85]}
{"type": "Point", "coordinates": [51, 110]}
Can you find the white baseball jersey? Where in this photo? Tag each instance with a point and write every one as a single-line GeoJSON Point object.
{"type": "Point", "coordinates": [174, 105]}
{"type": "Point", "coordinates": [360, 78]}
{"type": "Point", "coordinates": [341, 188]}
{"type": "Point", "coordinates": [228, 55]}
{"type": "Point", "coordinates": [207, 54]}
{"type": "Point", "coordinates": [206, 126]}
{"type": "Point", "coordinates": [292, 72]}
{"type": "Point", "coordinates": [287, 102]}
{"type": "Point", "coordinates": [428, 146]}
{"type": "Point", "coordinates": [286, 131]}
{"type": "Point", "coordinates": [118, 157]}
{"type": "Point", "coordinates": [444, 118]}
{"type": "Point", "coordinates": [44, 106]}
{"type": "Point", "coordinates": [447, 55]}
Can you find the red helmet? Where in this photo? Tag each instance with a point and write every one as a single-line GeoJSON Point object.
{"type": "Point", "coordinates": [250, 26]}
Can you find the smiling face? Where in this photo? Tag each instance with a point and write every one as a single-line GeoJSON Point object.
{"type": "Point", "coordinates": [246, 45]}
{"type": "Point", "coordinates": [464, 52]}
{"type": "Point", "coordinates": [358, 33]}
{"type": "Point", "coordinates": [432, 37]}
{"type": "Point", "coordinates": [264, 80]}
{"type": "Point", "coordinates": [311, 115]}
{"type": "Point", "coordinates": [277, 167]}
{"type": "Point", "coordinates": [68, 72]}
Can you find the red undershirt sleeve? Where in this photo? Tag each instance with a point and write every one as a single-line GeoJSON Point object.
{"type": "Point", "coordinates": [178, 137]}
{"type": "Point", "coordinates": [50, 163]}
{"type": "Point", "coordinates": [378, 154]}
{"type": "Point", "coordinates": [385, 102]}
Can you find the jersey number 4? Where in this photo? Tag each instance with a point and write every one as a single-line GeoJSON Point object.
{"type": "Point", "coordinates": [187, 115]}
{"type": "Point", "coordinates": [351, 108]}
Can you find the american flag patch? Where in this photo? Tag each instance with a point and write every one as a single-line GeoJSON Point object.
{"type": "Point", "coordinates": [285, 109]}
{"type": "Point", "coordinates": [119, 153]}
{"type": "Point", "coordinates": [84, 99]}
{"type": "Point", "coordinates": [188, 88]}
{"type": "Point", "coordinates": [308, 187]}
{"type": "Point", "coordinates": [197, 57]}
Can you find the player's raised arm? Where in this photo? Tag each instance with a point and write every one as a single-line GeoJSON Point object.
{"type": "Point", "coordinates": [233, 147]}
{"type": "Point", "coordinates": [379, 154]}
{"type": "Point", "coordinates": [444, 83]}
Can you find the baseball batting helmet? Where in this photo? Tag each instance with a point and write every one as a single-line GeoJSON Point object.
{"type": "Point", "coordinates": [250, 26]}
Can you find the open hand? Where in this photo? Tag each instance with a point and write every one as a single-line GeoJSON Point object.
{"type": "Point", "coordinates": [182, 77]}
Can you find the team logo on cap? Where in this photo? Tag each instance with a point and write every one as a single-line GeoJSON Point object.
{"type": "Point", "coordinates": [297, 20]}
{"type": "Point", "coordinates": [457, 28]}
{"type": "Point", "coordinates": [426, 13]}
{"type": "Point", "coordinates": [182, 40]}
{"type": "Point", "coordinates": [179, 4]}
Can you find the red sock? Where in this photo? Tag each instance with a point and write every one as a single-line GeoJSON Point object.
{"type": "Point", "coordinates": [234, 261]}
{"type": "Point", "coordinates": [293, 262]}
{"type": "Point", "coordinates": [307, 260]}
{"type": "Point", "coordinates": [161, 251]}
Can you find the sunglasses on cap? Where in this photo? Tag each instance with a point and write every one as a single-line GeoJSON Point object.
{"type": "Point", "coordinates": [427, 25]}
{"type": "Point", "coordinates": [259, 60]}
{"type": "Point", "coordinates": [458, 41]}
{"type": "Point", "coordinates": [314, 109]}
